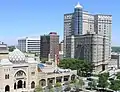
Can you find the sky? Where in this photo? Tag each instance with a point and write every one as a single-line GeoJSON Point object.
{"type": "Point", "coordinates": [21, 18]}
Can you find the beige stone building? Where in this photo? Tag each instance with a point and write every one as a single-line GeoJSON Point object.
{"type": "Point", "coordinates": [22, 74]}
{"type": "Point", "coordinates": [88, 36]}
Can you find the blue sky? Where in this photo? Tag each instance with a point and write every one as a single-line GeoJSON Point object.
{"type": "Point", "coordinates": [20, 18]}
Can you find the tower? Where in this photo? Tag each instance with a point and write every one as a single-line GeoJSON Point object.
{"type": "Point", "coordinates": [77, 19]}
{"type": "Point", "coordinates": [73, 24]}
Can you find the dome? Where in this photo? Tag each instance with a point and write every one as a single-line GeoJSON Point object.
{"type": "Point", "coordinates": [16, 56]}
{"type": "Point", "coordinates": [78, 5]}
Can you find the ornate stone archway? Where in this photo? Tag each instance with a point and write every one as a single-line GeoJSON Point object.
{"type": "Point", "coordinates": [20, 79]}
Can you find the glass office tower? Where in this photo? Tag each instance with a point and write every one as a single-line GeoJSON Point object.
{"type": "Point", "coordinates": [77, 20]}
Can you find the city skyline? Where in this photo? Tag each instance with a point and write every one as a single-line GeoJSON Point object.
{"type": "Point", "coordinates": [23, 18]}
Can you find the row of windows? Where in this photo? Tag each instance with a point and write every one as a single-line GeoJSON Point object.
{"type": "Point", "coordinates": [6, 70]}
{"type": "Point", "coordinates": [19, 74]}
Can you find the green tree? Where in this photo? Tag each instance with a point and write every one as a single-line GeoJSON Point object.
{"type": "Point", "coordinates": [77, 83]}
{"type": "Point", "coordinates": [103, 80]}
{"type": "Point", "coordinates": [115, 49]}
{"type": "Point", "coordinates": [50, 87]}
{"type": "Point", "coordinates": [115, 85]}
{"type": "Point", "coordinates": [92, 84]}
{"type": "Point", "coordinates": [43, 60]}
{"type": "Point", "coordinates": [118, 75]}
{"type": "Point", "coordinates": [51, 90]}
{"type": "Point", "coordinates": [83, 67]}
{"type": "Point", "coordinates": [58, 86]}
{"type": "Point", "coordinates": [38, 89]}
{"type": "Point", "coordinates": [80, 82]}
{"type": "Point", "coordinates": [11, 48]}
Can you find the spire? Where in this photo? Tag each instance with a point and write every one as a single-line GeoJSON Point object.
{"type": "Point", "coordinates": [78, 5]}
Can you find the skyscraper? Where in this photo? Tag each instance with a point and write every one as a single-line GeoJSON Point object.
{"type": "Point", "coordinates": [67, 28]}
{"type": "Point", "coordinates": [77, 23]}
{"type": "Point", "coordinates": [89, 37]}
{"type": "Point", "coordinates": [49, 45]}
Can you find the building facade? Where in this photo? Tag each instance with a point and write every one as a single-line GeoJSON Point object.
{"type": "Point", "coordinates": [115, 60]}
{"type": "Point", "coordinates": [23, 74]}
{"type": "Point", "coordinates": [61, 50]}
{"type": "Point", "coordinates": [77, 23]}
{"type": "Point", "coordinates": [67, 28]}
{"type": "Point", "coordinates": [88, 47]}
{"type": "Point", "coordinates": [49, 45]}
{"type": "Point", "coordinates": [3, 50]}
{"type": "Point", "coordinates": [92, 40]}
{"type": "Point", "coordinates": [29, 44]}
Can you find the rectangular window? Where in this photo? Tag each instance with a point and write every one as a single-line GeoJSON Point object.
{"type": "Point", "coordinates": [32, 73]}
{"type": "Point", "coordinates": [6, 76]}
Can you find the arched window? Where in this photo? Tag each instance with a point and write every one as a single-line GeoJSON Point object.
{"type": "Point", "coordinates": [19, 84]}
{"type": "Point", "coordinates": [20, 73]}
{"type": "Point", "coordinates": [33, 84]}
{"type": "Point", "coordinates": [7, 88]}
{"type": "Point", "coordinates": [24, 84]}
{"type": "Point", "coordinates": [42, 82]}
{"type": "Point", "coordinates": [14, 85]}
{"type": "Point", "coordinates": [73, 77]}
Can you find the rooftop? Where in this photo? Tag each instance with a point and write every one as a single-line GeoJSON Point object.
{"type": "Point", "coordinates": [78, 5]}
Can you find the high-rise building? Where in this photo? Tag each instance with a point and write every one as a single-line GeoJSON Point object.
{"type": "Point", "coordinates": [29, 44]}
{"type": "Point", "coordinates": [103, 26]}
{"type": "Point", "coordinates": [49, 45]}
{"type": "Point", "coordinates": [89, 37]}
{"type": "Point", "coordinates": [67, 28]}
{"type": "Point", "coordinates": [88, 47]}
{"type": "Point", "coordinates": [79, 22]}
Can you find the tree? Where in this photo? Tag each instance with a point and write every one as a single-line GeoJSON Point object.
{"type": "Point", "coordinates": [118, 75]}
{"type": "Point", "coordinates": [92, 84]}
{"type": "Point", "coordinates": [58, 84]}
{"type": "Point", "coordinates": [68, 88]}
{"type": "Point", "coordinates": [38, 89]}
{"type": "Point", "coordinates": [80, 82]}
{"type": "Point", "coordinates": [115, 85]}
{"type": "Point", "coordinates": [115, 49]}
{"type": "Point", "coordinates": [50, 87]}
{"type": "Point", "coordinates": [83, 67]}
{"type": "Point", "coordinates": [43, 60]}
{"type": "Point", "coordinates": [103, 80]}
{"type": "Point", "coordinates": [58, 87]}
{"type": "Point", "coordinates": [11, 48]}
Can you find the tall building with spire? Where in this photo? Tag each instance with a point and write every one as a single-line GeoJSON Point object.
{"type": "Point", "coordinates": [88, 36]}
{"type": "Point", "coordinates": [77, 19]}
{"type": "Point", "coordinates": [77, 23]}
